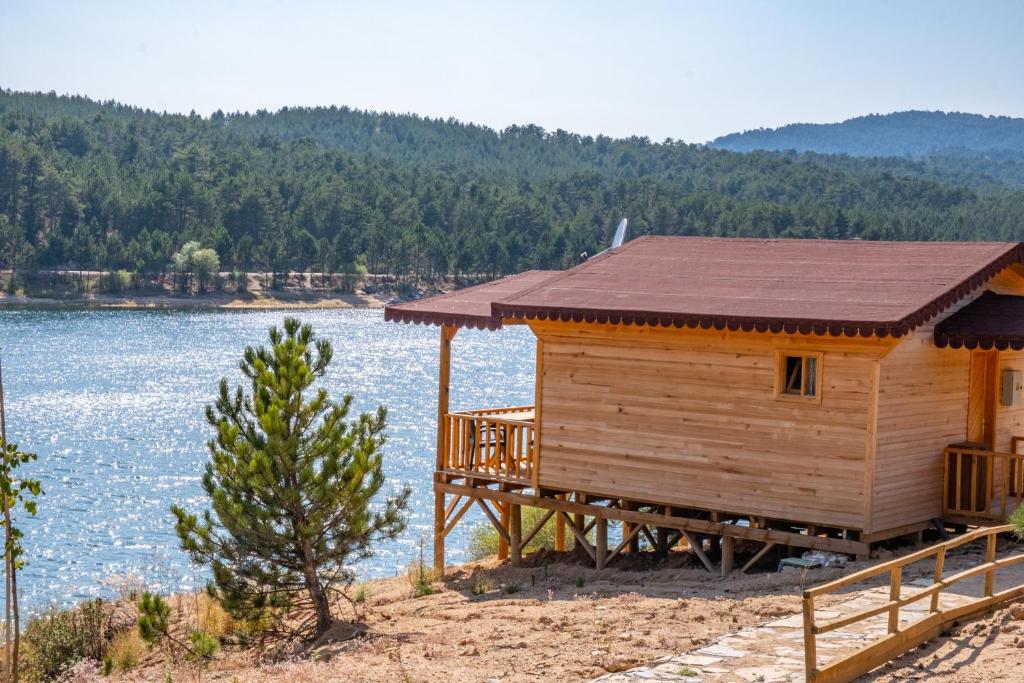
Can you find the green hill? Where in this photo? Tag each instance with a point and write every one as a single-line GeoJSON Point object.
{"type": "Point", "coordinates": [103, 185]}
{"type": "Point", "coordinates": [905, 133]}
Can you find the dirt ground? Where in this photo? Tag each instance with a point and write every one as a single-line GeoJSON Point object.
{"type": "Point", "coordinates": [561, 622]}
{"type": "Point", "coordinates": [988, 649]}
{"type": "Point", "coordinates": [565, 621]}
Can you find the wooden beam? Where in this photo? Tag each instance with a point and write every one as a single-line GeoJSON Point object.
{"type": "Point", "coordinates": [728, 554]}
{"type": "Point", "coordinates": [698, 551]}
{"type": "Point", "coordinates": [537, 528]}
{"type": "Point", "coordinates": [538, 391]}
{"type": "Point", "coordinates": [760, 553]}
{"type": "Point", "coordinates": [581, 538]}
{"type": "Point", "coordinates": [559, 533]}
{"type": "Point", "coordinates": [601, 533]}
{"type": "Point", "coordinates": [439, 530]}
{"type": "Point", "coordinates": [454, 519]}
{"type": "Point", "coordinates": [689, 524]}
{"type": "Point", "coordinates": [502, 533]}
{"type": "Point", "coordinates": [503, 545]}
{"type": "Point", "coordinates": [515, 534]}
{"type": "Point", "coordinates": [626, 541]}
{"type": "Point", "coordinates": [443, 387]}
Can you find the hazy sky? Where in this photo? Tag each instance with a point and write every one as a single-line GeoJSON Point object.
{"type": "Point", "coordinates": [687, 70]}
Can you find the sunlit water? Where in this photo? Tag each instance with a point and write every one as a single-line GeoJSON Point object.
{"type": "Point", "coordinates": [112, 401]}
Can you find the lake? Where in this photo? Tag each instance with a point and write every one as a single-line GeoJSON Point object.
{"type": "Point", "coordinates": [113, 402]}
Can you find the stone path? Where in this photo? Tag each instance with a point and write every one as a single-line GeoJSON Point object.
{"type": "Point", "coordinates": [774, 652]}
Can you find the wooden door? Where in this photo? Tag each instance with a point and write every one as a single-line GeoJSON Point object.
{"type": "Point", "coordinates": [975, 472]}
{"type": "Point", "coordinates": [981, 403]}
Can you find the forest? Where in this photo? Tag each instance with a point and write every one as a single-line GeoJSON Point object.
{"type": "Point", "coordinates": [104, 186]}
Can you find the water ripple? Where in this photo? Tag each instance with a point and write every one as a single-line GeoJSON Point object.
{"type": "Point", "coordinates": [113, 403]}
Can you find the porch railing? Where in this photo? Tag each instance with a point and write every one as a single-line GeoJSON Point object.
{"type": "Point", "coordinates": [493, 443]}
{"type": "Point", "coordinates": [983, 484]}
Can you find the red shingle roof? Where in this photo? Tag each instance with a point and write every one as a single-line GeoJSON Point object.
{"type": "Point", "coordinates": [469, 307]}
{"type": "Point", "coordinates": [820, 286]}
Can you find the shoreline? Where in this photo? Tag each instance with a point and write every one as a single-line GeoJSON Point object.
{"type": "Point", "coordinates": [204, 302]}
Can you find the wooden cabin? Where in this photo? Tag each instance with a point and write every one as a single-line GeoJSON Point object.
{"type": "Point", "coordinates": [804, 393]}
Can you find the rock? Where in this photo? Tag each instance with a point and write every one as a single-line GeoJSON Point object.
{"type": "Point", "coordinates": [1020, 644]}
{"type": "Point", "coordinates": [469, 652]}
{"type": "Point", "coordinates": [619, 663]}
{"type": "Point", "coordinates": [1017, 612]}
{"type": "Point", "coordinates": [545, 619]}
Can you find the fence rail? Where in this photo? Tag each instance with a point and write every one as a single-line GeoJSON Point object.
{"type": "Point", "coordinates": [897, 641]}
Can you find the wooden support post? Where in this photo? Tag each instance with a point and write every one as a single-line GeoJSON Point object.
{"type": "Point", "coordinates": [443, 386]}
{"type": "Point", "coordinates": [559, 533]}
{"type": "Point", "coordinates": [439, 523]}
{"type": "Point", "coordinates": [990, 574]}
{"type": "Point", "coordinates": [515, 534]}
{"type": "Point", "coordinates": [601, 532]}
{"type": "Point", "coordinates": [940, 561]}
{"type": "Point", "coordinates": [895, 583]}
{"type": "Point", "coordinates": [502, 545]}
{"type": "Point", "coordinates": [728, 555]}
{"type": "Point", "coordinates": [810, 642]}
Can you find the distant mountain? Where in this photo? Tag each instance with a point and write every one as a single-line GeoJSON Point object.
{"type": "Point", "coordinates": [906, 133]}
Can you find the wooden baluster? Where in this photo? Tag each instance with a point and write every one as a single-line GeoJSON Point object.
{"type": "Point", "coordinates": [1004, 486]}
{"type": "Point", "coordinates": [940, 561]}
{"type": "Point", "coordinates": [974, 482]}
{"type": "Point", "coordinates": [990, 574]}
{"type": "Point", "coordinates": [895, 581]}
{"type": "Point", "coordinates": [958, 481]}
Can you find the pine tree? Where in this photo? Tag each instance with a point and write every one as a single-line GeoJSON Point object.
{"type": "Point", "coordinates": [292, 485]}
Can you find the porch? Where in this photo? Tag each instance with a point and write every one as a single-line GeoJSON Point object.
{"type": "Point", "coordinates": [982, 486]}
{"type": "Point", "coordinates": [493, 444]}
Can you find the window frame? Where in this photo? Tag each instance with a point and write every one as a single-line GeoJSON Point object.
{"type": "Point", "coordinates": [779, 388]}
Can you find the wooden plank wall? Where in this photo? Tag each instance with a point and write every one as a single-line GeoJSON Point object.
{"type": "Point", "coordinates": [687, 417]}
{"type": "Point", "coordinates": [922, 408]}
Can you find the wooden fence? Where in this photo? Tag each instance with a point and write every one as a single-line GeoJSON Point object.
{"type": "Point", "coordinates": [897, 641]}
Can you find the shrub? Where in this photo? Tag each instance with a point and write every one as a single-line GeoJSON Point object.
{"type": "Point", "coordinates": [58, 638]}
{"type": "Point", "coordinates": [421, 575]}
{"type": "Point", "coordinates": [483, 539]}
{"type": "Point", "coordinates": [212, 618]}
{"type": "Point", "coordinates": [117, 281]}
{"type": "Point", "coordinates": [125, 651]}
{"type": "Point", "coordinates": [1017, 520]}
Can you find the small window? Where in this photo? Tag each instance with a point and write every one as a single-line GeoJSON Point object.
{"type": "Point", "coordinates": [798, 375]}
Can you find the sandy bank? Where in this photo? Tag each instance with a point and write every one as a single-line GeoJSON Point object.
{"type": "Point", "coordinates": [210, 301]}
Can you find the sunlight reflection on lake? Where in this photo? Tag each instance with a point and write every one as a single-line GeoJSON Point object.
{"type": "Point", "coordinates": [112, 401]}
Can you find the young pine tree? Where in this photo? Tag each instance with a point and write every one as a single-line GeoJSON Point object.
{"type": "Point", "coordinates": [291, 484]}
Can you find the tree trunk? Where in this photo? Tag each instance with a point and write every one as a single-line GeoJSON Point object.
{"type": "Point", "coordinates": [316, 592]}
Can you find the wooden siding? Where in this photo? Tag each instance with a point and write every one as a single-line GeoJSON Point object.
{"type": "Point", "coordinates": [922, 408]}
{"type": "Point", "coordinates": [687, 417]}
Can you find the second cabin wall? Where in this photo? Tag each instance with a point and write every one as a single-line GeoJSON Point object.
{"type": "Point", "coordinates": [922, 408]}
{"type": "Point", "coordinates": [689, 417]}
